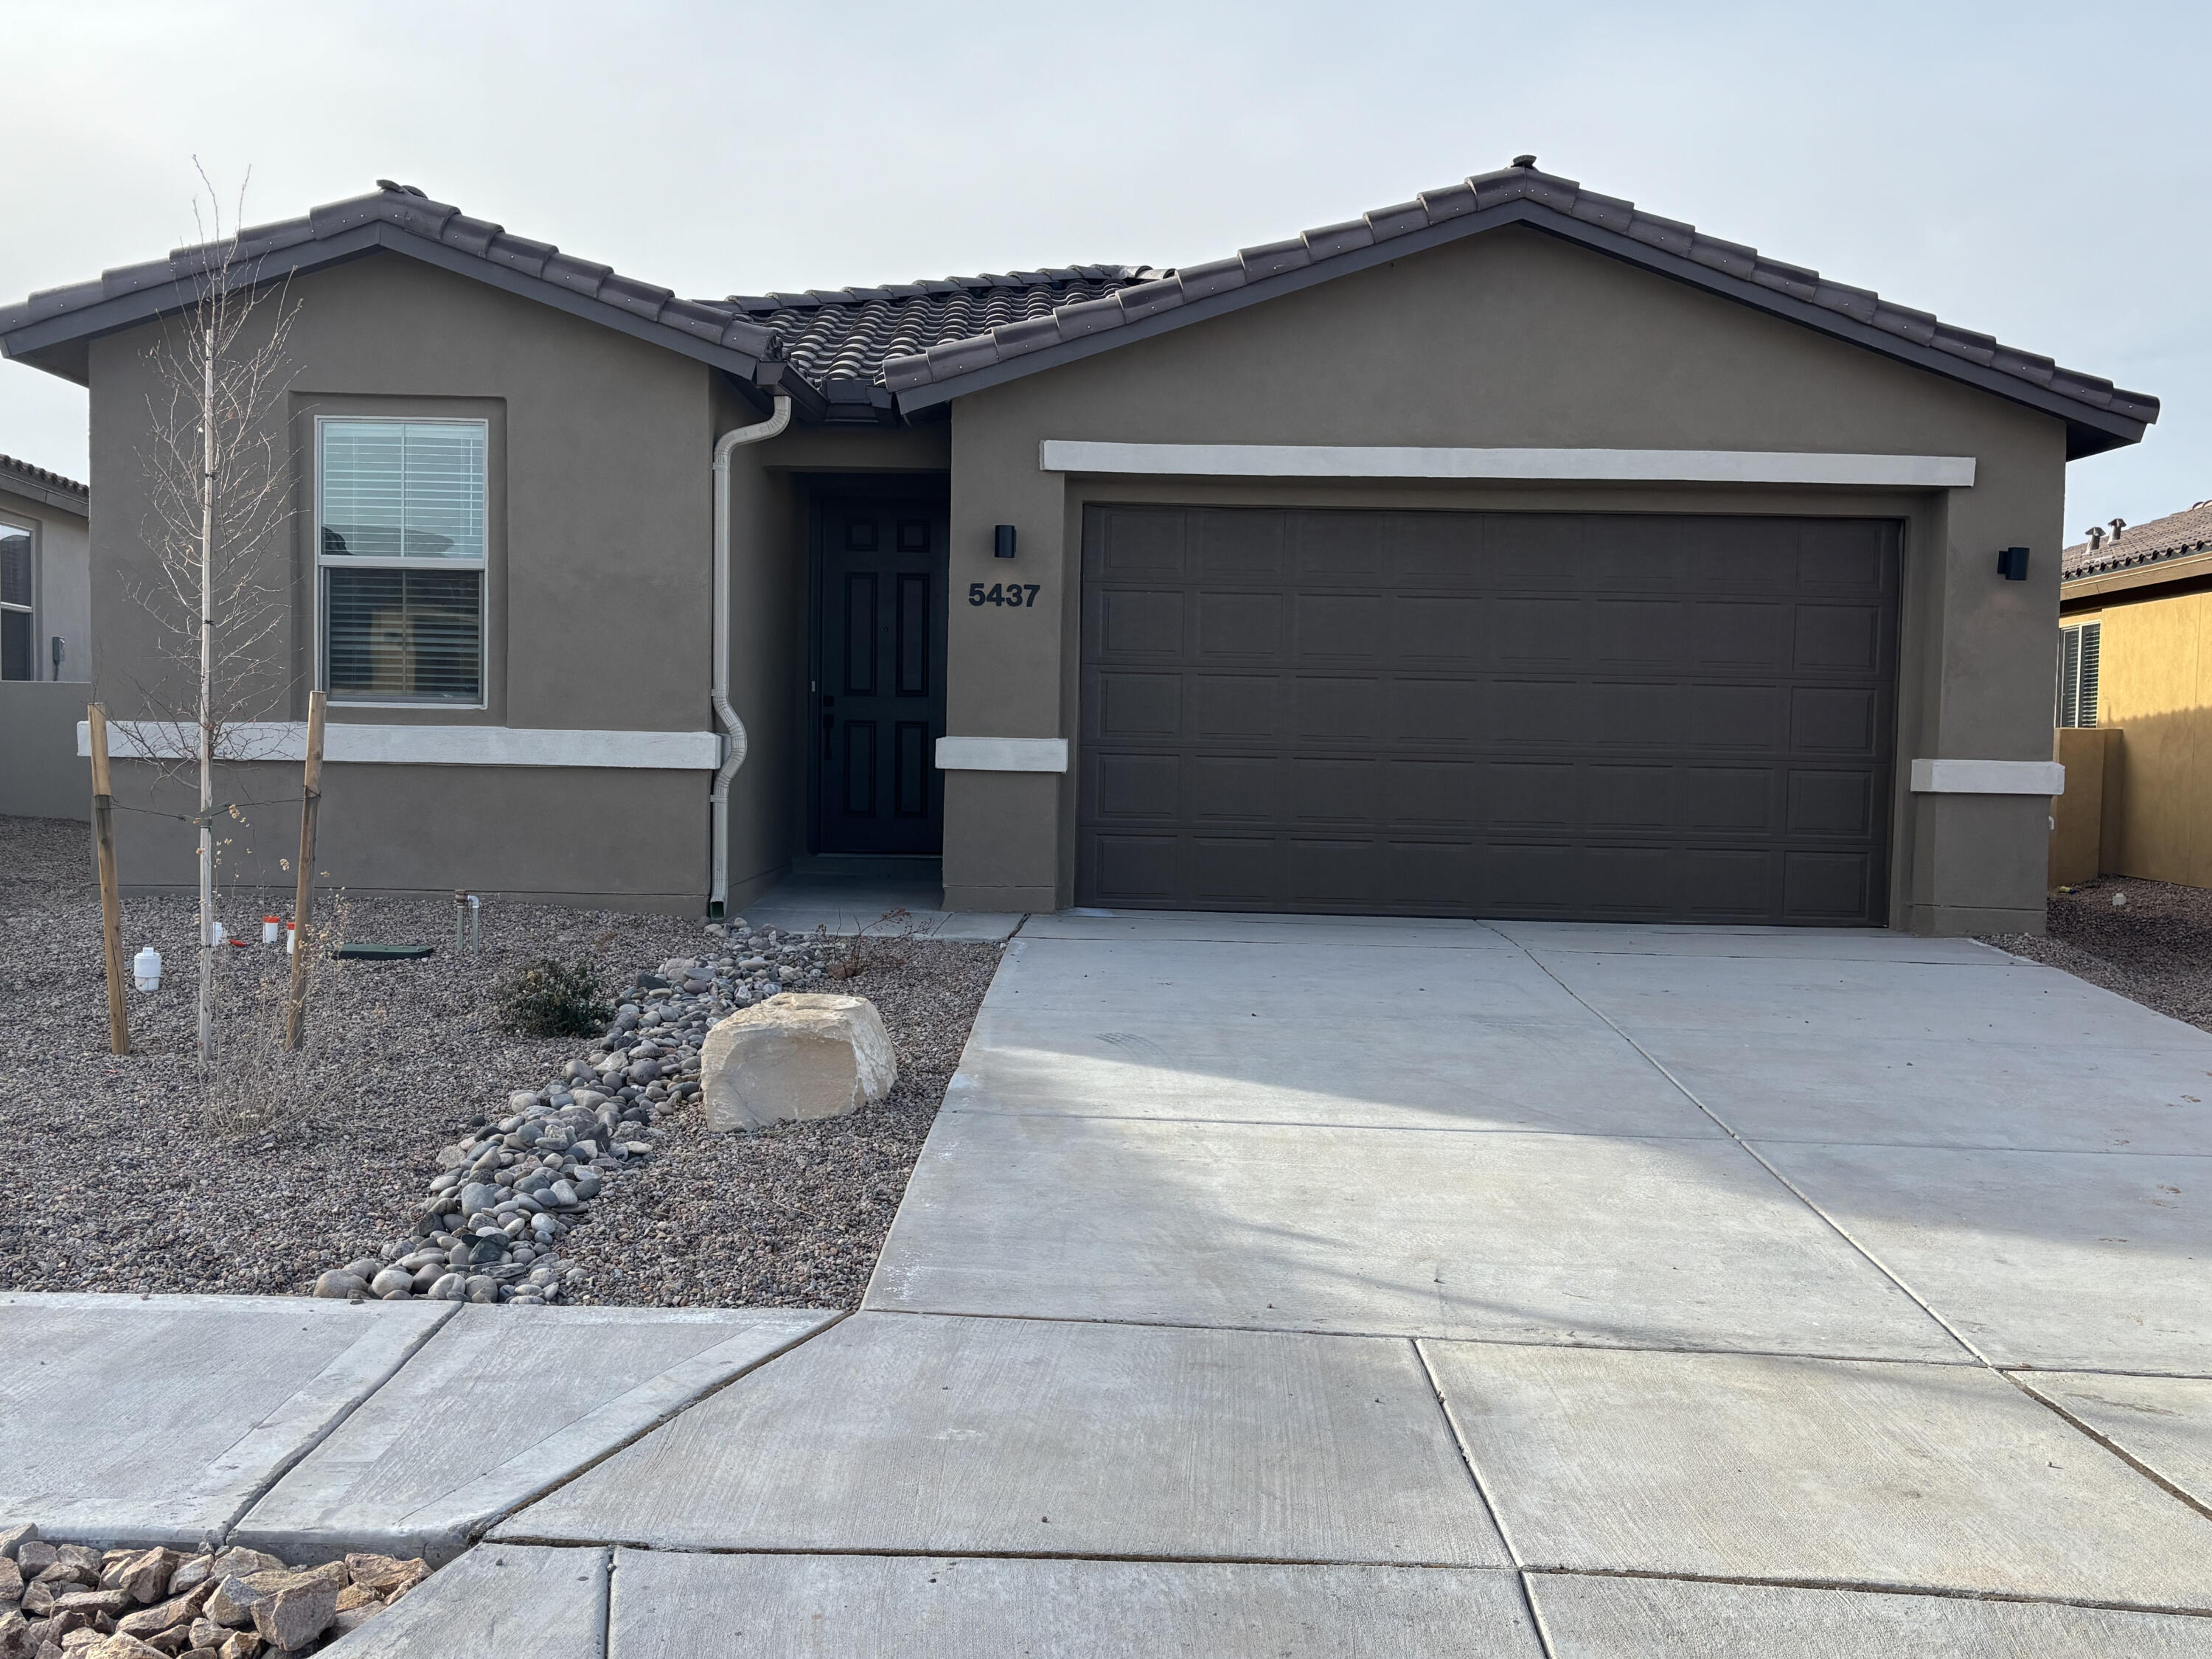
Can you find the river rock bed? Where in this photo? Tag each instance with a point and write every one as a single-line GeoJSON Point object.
{"type": "Point", "coordinates": [70, 1599]}
{"type": "Point", "coordinates": [488, 1228]}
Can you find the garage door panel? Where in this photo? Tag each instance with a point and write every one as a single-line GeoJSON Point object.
{"type": "Point", "coordinates": [1141, 787]}
{"type": "Point", "coordinates": [1131, 706]}
{"type": "Point", "coordinates": [1135, 621]}
{"type": "Point", "coordinates": [1434, 630]}
{"type": "Point", "coordinates": [1519, 715]}
{"type": "Point", "coordinates": [1833, 802]}
{"type": "Point", "coordinates": [1236, 871]}
{"type": "Point", "coordinates": [1423, 710]}
{"type": "Point", "coordinates": [1136, 544]}
{"type": "Point", "coordinates": [1538, 633]}
{"type": "Point", "coordinates": [1628, 796]}
{"type": "Point", "coordinates": [1231, 546]}
{"type": "Point", "coordinates": [1844, 637]}
{"type": "Point", "coordinates": [1333, 792]}
{"type": "Point", "coordinates": [1749, 719]}
{"type": "Point", "coordinates": [1237, 624]}
{"type": "Point", "coordinates": [1730, 800]}
{"type": "Point", "coordinates": [1135, 869]}
{"type": "Point", "coordinates": [1236, 705]}
{"type": "Point", "coordinates": [1720, 634]}
{"type": "Point", "coordinates": [1341, 707]}
{"type": "Point", "coordinates": [1724, 885]}
{"type": "Point", "coordinates": [1340, 627]}
{"type": "Point", "coordinates": [1835, 886]}
{"type": "Point", "coordinates": [1340, 547]}
{"type": "Point", "coordinates": [1336, 875]}
{"type": "Point", "coordinates": [1835, 720]}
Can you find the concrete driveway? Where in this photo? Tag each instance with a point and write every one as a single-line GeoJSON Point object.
{"type": "Point", "coordinates": [1286, 1286]}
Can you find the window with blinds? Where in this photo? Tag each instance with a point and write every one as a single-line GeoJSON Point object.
{"type": "Point", "coordinates": [400, 546]}
{"type": "Point", "coordinates": [18, 649]}
{"type": "Point", "coordinates": [2078, 650]}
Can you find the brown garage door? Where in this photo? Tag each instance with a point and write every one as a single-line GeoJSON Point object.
{"type": "Point", "coordinates": [1588, 716]}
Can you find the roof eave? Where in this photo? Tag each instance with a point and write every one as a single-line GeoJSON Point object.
{"type": "Point", "coordinates": [12, 483]}
{"type": "Point", "coordinates": [2090, 430]}
{"type": "Point", "coordinates": [57, 344]}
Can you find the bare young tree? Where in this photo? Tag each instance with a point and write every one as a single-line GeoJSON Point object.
{"type": "Point", "coordinates": [217, 479]}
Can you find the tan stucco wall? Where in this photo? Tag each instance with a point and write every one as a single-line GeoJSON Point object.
{"type": "Point", "coordinates": [1516, 339]}
{"type": "Point", "coordinates": [2155, 697]}
{"type": "Point", "coordinates": [599, 584]}
{"type": "Point", "coordinates": [2077, 816]}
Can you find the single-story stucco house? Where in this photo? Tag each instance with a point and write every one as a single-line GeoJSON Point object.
{"type": "Point", "coordinates": [1508, 552]}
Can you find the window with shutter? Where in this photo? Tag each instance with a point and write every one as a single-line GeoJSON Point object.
{"type": "Point", "coordinates": [400, 549]}
{"type": "Point", "coordinates": [2078, 649]}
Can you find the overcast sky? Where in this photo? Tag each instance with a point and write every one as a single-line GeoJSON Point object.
{"type": "Point", "coordinates": [2036, 171]}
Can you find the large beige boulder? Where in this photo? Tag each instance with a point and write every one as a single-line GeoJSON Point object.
{"type": "Point", "coordinates": [802, 1055]}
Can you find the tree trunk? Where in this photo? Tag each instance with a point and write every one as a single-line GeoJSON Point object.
{"type": "Point", "coordinates": [207, 707]}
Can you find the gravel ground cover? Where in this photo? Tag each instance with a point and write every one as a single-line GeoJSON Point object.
{"type": "Point", "coordinates": [127, 1175]}
{"type": "Point", "coordinates": [2155, 948]}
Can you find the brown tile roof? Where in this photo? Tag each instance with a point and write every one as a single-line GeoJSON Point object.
{"type": "Point", "coordinates": [838, 338]}
{"type": "Point", "coordinates": [1555, 202]}
{"type": "Point", "coordinates": [2178, 533]}
{"type": "Point", "coordinates": [402, 217]}
{"type": "Point", "coordinates": [906, 347]}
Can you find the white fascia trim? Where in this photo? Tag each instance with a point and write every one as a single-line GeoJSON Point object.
{"type": "Point", "coordinates": [1988, 777]}
{"type": "Point", "coordinates": [348, 743]}
{"type": "Point", "coordinates": [1745, 467]}
{"type": "Point", "coordinates": [1002, 754]}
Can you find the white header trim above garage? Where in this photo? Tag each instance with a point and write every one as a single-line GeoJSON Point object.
{"type": "Point", "coordinates": [1988, 777]}
{"type": "Point", "coordinates": [1748, 467]}
{"type": "Point", "coordinates": [349, 743]}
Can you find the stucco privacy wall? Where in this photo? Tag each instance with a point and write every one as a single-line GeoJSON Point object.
{"type": "Point", "coordinates": [597, 615]}
{"type": "Point", "coordinates": [1514, 339]}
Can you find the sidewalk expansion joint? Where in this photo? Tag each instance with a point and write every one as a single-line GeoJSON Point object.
{"type": "Point", "coordinates": [1873, 1587]}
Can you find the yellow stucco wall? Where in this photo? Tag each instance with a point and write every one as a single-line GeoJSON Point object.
{"type": "Point", "coordinates": [2155, 674]}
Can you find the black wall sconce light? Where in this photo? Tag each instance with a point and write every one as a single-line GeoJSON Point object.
{"type": "Point", "coordinates": [1002, 542]}
{"type": "Point", "coordinates": [2012, 563]}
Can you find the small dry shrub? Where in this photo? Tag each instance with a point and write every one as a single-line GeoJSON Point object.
{"type": "Point", "coordinates": [544, 998]}
{"type": "Point", "coordinates": [886, 942]}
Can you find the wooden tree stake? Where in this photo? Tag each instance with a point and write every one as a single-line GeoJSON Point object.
{"type": "Point", "coordinates": [111, 898]}
{"type": "Point", "coordinates": [303, 905]}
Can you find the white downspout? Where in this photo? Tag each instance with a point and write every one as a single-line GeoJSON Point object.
{"type": "Point", "coordinates": [734, 754]}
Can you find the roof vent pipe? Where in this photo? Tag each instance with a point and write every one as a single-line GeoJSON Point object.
{"type": "Point", "coordinates": [733, 729]}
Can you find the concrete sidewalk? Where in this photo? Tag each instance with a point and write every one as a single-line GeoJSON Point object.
{"type": "Point", "coordinates": [1300, 1285]}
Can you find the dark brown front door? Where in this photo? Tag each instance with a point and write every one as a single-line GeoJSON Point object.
{"type": "Point", "coordinates": [879, 675]}
{"type": "Point", "coordinates": [1578, 716]}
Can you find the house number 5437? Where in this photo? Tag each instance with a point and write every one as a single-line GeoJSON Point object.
{"type": "Point", "coordinates": [1017, 594]}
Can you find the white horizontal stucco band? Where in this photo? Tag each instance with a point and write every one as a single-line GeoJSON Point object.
{"type": "Point", "coordinates": [350, 744]}
{"type": "Point", "coordinates": [1002, 754]}
{"type": "Point", "coordinates": [1752, 466]}
{"type": "Point", "coordinates": [1988, 777]}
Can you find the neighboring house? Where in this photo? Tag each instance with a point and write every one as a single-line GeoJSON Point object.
{"type": "Point", "coordinates": [2135, 631]}
{"type": "Point", "coordinates": [1507, 552]}
{"type": "Point", "coordinates": [45, 642]}
{"type": "Point", "coordinates": [45, 590]}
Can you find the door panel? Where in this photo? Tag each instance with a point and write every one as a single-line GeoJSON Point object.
{"type": "Point", "coordinates": [879, 620]}
{"type": "Point", "coordinates": [1566, 715]}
